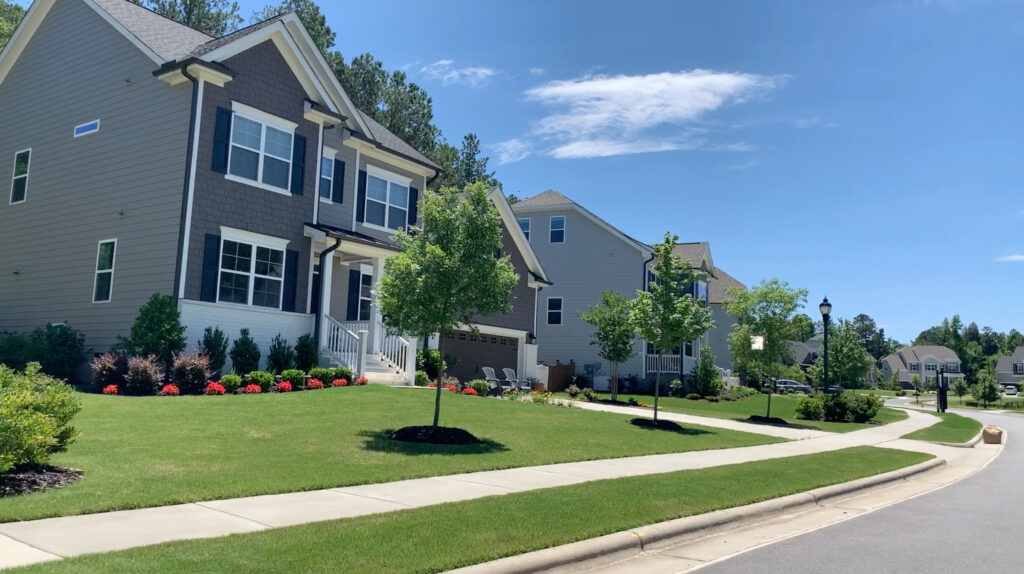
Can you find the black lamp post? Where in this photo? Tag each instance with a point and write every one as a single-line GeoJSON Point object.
{"type": "Point", "coordinates": [826, 312]}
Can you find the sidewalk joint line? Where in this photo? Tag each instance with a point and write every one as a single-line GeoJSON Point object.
{"type": "Point", "coordinates": [246, 518]}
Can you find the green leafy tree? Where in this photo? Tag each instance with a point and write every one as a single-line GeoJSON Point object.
{"type": "Point", "coordinates": [245, 354]}
{"type": "Point", "coordinates": [918, 384]}
{"type": "Point", "coordinates": [446, 272]}
{"type": "Point", "coordinates": [986, 391]}
{"type": "Point", "coordinates": [613, 334]}
{"type": "Point", "coordinates": [803, 327]}
{"type": "Point", "coordinates": [705, 374]}
{"type": "Point", "coordinates": [309, 14]}
{"type": "Point", "coordinates": [666, 313]}
{"type": "Point", "coordinates": [960, 389]}
{"type": "Point", "coordinates": [214, 17]}
{"type": "Point", "coordinates": [849, 362]}
{"type": "Point", "coordinates": [157, 331]}
{"type": "Point", "coordinates": [10, 16]}
{"type": "Point", "coordinates": [792, 373]}
{"type": "Point", "coordinates": [765, 310]}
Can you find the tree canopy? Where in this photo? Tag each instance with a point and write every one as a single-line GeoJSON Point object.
{"type": "Point", "coordinates": [765, 310]}
{"type": "Point", "coordinates": [613, 334]}
{"type": "Point", "coordinates": [849, 362]}
{"type": "Point", "coordinates": [10, 16]}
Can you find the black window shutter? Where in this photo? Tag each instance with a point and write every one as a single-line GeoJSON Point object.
{"type": "Point", "coordinates": [354, 278]}
{"type": "Point", "coordinates": [298, 164]}
{"type": "Point", "coordinates": [361, 197]}
{"type": "Point", "coordinates": [221, 140]}
{"type": "Point", "coordinates": [338, 183]}
{"type": "Point", "coordinates": [291, 280]}
{"type": "Point", "coordinates": [414, 201]}
{"type": "Point", "coordinates": [211, 268]}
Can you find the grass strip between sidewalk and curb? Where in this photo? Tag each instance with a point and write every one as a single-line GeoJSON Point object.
{"type": "Point", "coordinates": [453, 535]}
{"type": "Point", "coordinates": [953, 428]}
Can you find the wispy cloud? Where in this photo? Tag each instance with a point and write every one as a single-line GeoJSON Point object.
{"type": "Point", "coordinates": [813, 122]}
{"type": "Point", "coordinates": [1015, 258]}
{"type": "Point", "coordinates": [448, 73]}
{"type": "Point", "coordinates": [743, 165]}
{"type": "Point", "coordinates": [536, 71]}
{"type": "Point", "coordinates": [512, 150]}
{"type": "Point", "coordinates": [600, 115]}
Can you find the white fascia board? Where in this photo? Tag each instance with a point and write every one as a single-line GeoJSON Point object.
{"type": "Point", "coordinates": [372, 151]}
{"type": "Point", "coordinates": [26, 29]}
{"type": "Point", "coordinates": [497, 197]}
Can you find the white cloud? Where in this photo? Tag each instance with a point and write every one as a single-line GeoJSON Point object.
{"type": "Point", "coordinates": [743, 165]}
{"type": "Point", "coordinates": [536, 71]}
{"type": "Point", "coordinates": [446, 71]}
{"type": "Point", "coordinates": [813, 122]}
{"type": "Point", "coordinates": [512, 150]}
{"type": "Point", "coordinates": [1015, 258]}
{"type": "Point", "coordinates": [600, 115]}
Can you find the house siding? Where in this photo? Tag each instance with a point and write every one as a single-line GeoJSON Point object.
{"type": "Point", "coordinates": [523, 296]}
{"type": "Point", "coordinates": [718, 336]}
{"type": "Point", "coordinates": [124, 181]}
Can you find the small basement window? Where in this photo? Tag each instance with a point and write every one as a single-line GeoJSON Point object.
{"type": "Point", "coordinates": [87, 128]}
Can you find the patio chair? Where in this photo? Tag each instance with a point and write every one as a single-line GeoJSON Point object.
{"type": "Point", "coordinates": [510, 377]}
{"type": "Point", "coordinates": [497, 385]}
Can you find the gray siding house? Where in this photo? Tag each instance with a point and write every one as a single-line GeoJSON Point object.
{"type": "Point", "coordinates": [1010, 369]}
{"type": "Point", "coordinates": [233, 173]}
{"type": "Point", "coordinates": [718, 336]}
{"type": "Point", "coordinates": [923, 361]}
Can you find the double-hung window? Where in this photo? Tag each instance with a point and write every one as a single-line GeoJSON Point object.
{"type": "Point", "coordinates": [250, 274]}
{"type": "Point", "coordinates": [261, 148]}
{"type": "Point", "coordinates": [365, 296]}
{"type": "Point", "coordinates": [1018, 368]}
{"type": "Point", "coordinates": [557, 232]}
{"type": "Point", "coordinates": [554, 310]}
{"type": "Point", "coordinates": [915, 366]}
{"type": "Point", "coordinates": [387, 200]}
{"type": "Point", "coordinates": [929, 366]}
{"type": "Point", "coordinates": [326, 176]}
{"type": "Point", "coordinates": [103, 284]}
{"type": "Point", "coordinates": [19, 182]}
{"type": "Point", "coordinates": [524, 224]}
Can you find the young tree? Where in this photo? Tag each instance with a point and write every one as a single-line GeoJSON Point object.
{"type": "Point", "coordinates": [214, 345]}
{"type": "Point", "coordinates": [10, 17]}
{"type": "Point", "coordinates": [960, 389]}
{"type": "Point", "coordinates": [918, 384]}
{"type": "Point", "coordinates": [446, 272]}
{"type": "Point", "coordinates": [665, 315]}
{"type": "Point", "coordinates": [849, 362]}
{"type": "Point", "coordinates": [705, 373]}
{"type": "Point", "coordinates": [986, 391]}
{"type": "Point", "coordinates": [214, 17]}
{"type": "Point", "coordinates": [157, 331]}
{"type": "Point", "coordinates": [613, 332]}
{"type": "Point", "coordinates": [766, 310]}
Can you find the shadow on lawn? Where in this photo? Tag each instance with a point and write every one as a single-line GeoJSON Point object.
{"type": "Point", "coordinates": [379, 441]}
{"type": "Point", "coordinates": [777, 423]}
{"type": "Point", "coordinates": [666, 426]}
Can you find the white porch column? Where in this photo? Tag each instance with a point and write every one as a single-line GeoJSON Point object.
{"type": "Point", "coordinates": [326, 273]}
{"type": "Point", "coordinates": [376, 327]}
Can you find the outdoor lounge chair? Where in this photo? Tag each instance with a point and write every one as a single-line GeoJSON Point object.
{"type": "Point", "coordinates": [510, 377]}
{"type": "Point", "coordinates": [497, 385]}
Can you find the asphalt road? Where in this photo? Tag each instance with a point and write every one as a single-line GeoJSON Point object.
{"type": "Point", "coordinates": [975, 526]}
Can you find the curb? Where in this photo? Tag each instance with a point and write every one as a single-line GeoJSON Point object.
{"type": "Point", "coordinates": [635, 541]}
{"type": "Point", "coordinates": [968, 444]}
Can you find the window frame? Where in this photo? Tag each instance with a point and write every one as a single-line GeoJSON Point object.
{"type": "Point", "coordinates": [265, 120]}
{"type": "Point", "coordinates": [368, 299]}
{"type": "Point", "coordinates": [25, 176]}
{"type": "Point", "coordinates": [1018, 369]}
{"type": "Point", "coordinates": [552, 230]}
{"type": "Point", "coordinates": [560, 310]}
{"type": "Point", "coordinates": [92, 127]}
{"type": "Point", "coordinates": [255, 241]}
{"type": "Point", "coordinates": [390, 178]}
{"type": "Point", "coordinates": [328, 154]}
{"type": "Point", "coordinates": [529, 226]}
{"type": "Point", "coordinates": [97, 271]}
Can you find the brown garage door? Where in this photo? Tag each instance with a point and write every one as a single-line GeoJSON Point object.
{"type": "Point", "coordinates": [475, 351]}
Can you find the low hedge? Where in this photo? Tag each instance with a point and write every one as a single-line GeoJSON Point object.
{"type": "Point", "coordinates": [35, 412]}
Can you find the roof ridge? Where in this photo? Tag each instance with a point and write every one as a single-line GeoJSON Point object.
{"type": "Point", "coordinates": [168, 18]}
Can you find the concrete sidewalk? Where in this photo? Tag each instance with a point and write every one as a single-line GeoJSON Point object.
{"type": "Point", "coordinates": [53, 538]}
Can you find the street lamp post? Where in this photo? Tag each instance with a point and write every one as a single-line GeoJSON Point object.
{"type": "Point", "coordinates": [826, 312]}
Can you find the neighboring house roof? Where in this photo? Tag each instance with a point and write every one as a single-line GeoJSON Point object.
{"type": "Point", "coordinates": [552, 199]}
{"type": "Point", "coordinates": [167, 38]}
{"type": "Point", "coordinates": [508, 217]}
{"type": "Point", "coordinates": [900, 360]}
{"type": "Point", "coordinates": [803, 354]}
{"type": "Point", "coordinates": [389, 140]}
{"type": "Point", "coordinates": [895, 363]}
{"type": "Point", "coordinates": [698, 253]}
{"type": "Point", "coordinates": [719, 284]}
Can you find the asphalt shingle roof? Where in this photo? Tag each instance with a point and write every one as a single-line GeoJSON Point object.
{"type": "Point", "coordinates": [213, 44]}
{"type": "Point", "coordinates": [718, 284]}
{"type": "Point", "coordinates": [386, 138]}
{"type": "Point", "coordinates": [549, 197]}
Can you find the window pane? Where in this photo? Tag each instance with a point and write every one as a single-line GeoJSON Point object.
{"type": "Point", "coordinates": [105, 261]}
{"type": "Point", "coordinates": [234, 288]}
{"type": "Point", "coordinates": [375, 213]}
{"type": "Point", "coordinates": [524, 224]}
{"type": "Point", "coordinates": [366, 287]}
{"type": "Point", "coordinates": [554, 317]}
{"type": "Point", "coordinates": [236, 256]}
{"type": "Point", "coordinates": [266, 293]}
{"type": "Point", "coordinates": [399, 195]}
{"type": "Point", "coordinates": [278, 144]}
{"type": "Point", "coordinates": [364, 310]}
{"type": "Point", "coordinates": [558, 223]}
{"type": "Point", "coordinates": [102, 292]}
{"type": "Point", "coordinates": [21, 163]}
{"type": "Point", "coordinates": [376, 188]}
{"type": "Point", "coordinates": [18, 189]}
{"type": "Point", "coordinates": [554, 304]}
{"type": "Point", "coordinates": [269, 262]}
{"type": "Point", "coordinates": [244, 163]}
{"type": "Point", "coordinates": [325, 187]}
{"type": "Point", "coordinates": [396, 217]}
{"type": "Point", "coordinates": [557, 236]}
{"type": "Point", "coordinates": [246, 132]}
{"type": "Point", "coordinates": [327, 168]}
{"type": "Point", "coordinates": [275, 172]}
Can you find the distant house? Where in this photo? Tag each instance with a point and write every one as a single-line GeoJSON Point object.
{"type": "Point", "coordinates": [718, 336]}
{"type": "Point", "coordinates": [924, 361]}
{"type": "Point", "coordinates": [805, 353]}
{"type": "Point", "coordinates": [1010, 369]}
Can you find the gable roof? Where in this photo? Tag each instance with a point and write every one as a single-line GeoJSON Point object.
{"type": "Point", "coordinates": [167, 38]}
{"type": "Point", "coordinates": [918, 353]}
{"type": "Point", "coordinates": [389, 140]}
{"type": "Point", "coordinates": [508, 217]}
{"type": "Point", "coordinates": [698, 253]}
{"type": "Point", "coordinates": [549, 197]}
{"type": "Point", "coordinates": [718, 285]}
{"type": "Point", "coordinates": [552, 199]}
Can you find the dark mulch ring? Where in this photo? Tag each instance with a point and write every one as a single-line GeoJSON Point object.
{"type": "Point", "coordinates": [767, 420]}
{"type": "Point", "coordinates": [653, 424]}
{"type": "Point", "coordinates": [434, 435]}
{"type": "Point", "coordinates": [30, 478]}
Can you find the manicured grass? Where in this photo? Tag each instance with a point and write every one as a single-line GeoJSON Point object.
{"type": "Point", "coordinates": [952, 428]}
{"type": "Point", "coordinates": [153, 451]}
{"type": "Point", "coordinates": [783, 407]}
{"type": "Point", "coordinates": [458, 534]}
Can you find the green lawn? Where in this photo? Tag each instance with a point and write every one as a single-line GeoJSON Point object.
{"type": "Point", "coordinates": [458, 534]}
{"type": "Point", "coordinates": [783, 407]}
{"type": "Point", "coordinates": [154, 451]}
{"type": "Point", "coordinates": [952, 428]}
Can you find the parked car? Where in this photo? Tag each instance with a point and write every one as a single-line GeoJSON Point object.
{"type": "Point", "coordinates": [790, 386]}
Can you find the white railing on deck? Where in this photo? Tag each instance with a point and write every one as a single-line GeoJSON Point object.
{"type": "Point", "coordinates": [669, 364]}
{"type": "Point", "coordinates": [398, 351]}
{"type": "Point", "coordinates": [341, 341]}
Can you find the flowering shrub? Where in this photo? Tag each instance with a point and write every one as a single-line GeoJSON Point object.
{"type": "Point", "coordinates": [191, 371]}
{"type": "Point", "coordinates": [144, 376]}
{"type": "Point", "coordinates": [431, 386]}
{"type": "Point", "coordinates": [314, 384]}
{"type": "Point", "coordinates": [284, 387]}
{"type": "Point", "coordinates": [108, 369]}
{"type": "Point", "coordinates": [253, 389]}
{"type": "Point", "coordinates": [469, 391]}
{"type": "Point", "coordinates": [451, 388]}
{"type": "Point", "coordinates": [339, 383]}
{"type": "Point", "coordinates": [170, 391]}
{"type": "Point", "coordinates": [362, 381]}
{"type": "Point", "coordinates": [110, 390]}
{"type": "Point", "coordinates": [215, 388]}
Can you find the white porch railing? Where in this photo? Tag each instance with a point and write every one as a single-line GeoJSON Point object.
{"type": "Point", "coordinates": [669, 364]}
{"type": "Point", "coordinates": [399, 352]}
{"type": "Point", "coordinates": [341, 342]}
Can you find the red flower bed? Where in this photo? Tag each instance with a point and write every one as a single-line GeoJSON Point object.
{"type": "Point", "coordinates": [470, 391]}
{"type": "Point", "coordinates": [339, 383]}
{"type": "Point", "coordinates": [314, 384]}
{"type": "Point", "coordinates": [284, 387]}
{"type": "Point", "coordinates": [215, 388]}
{"type": "Point", "coordinates": [451, 388]}
{"type": "Point", "coordinates": [431, 386]}
{"type": "Point", "coordinates": [110, 390]}
{"type": "Point", "coordinates": [252, 389]}
{"type": "Point", "coordinates": [170, 391]}
{"type": "Point", "coordinates": [362, 381]}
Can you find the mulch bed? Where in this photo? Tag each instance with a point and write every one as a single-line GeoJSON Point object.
{"type": "Point", "coordinates": [434, 435]}
{"type": "Point", "coordinates": [30, 478]}
{"type": "Point", "coordinates": [659, 424]}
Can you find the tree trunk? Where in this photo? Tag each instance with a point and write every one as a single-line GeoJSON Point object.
{"type": "Point", "coordinates": [614, 383]}
{"type": "Point", "coordinates": [440, 378]}
{"type": "Point", "coordinates": [657, 386]}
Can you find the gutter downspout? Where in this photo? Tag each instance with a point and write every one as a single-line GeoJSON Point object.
{"type": "Point", "coordinates": [320, 294]}
{"type": "Point", "coordinates": [186, 185]}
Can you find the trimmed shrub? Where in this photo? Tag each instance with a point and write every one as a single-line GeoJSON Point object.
{"type": "Point", "coordinates": [590, 394]}
{"type": "Point", "coordinates": [170, 391]}
{"type": "Point", "coordinates": [422, 379]}
{"type": "Point", "coordinates": [581, 380]}
{"type": "Point", "coordinates": [191, 372]}
{"type": "Point", "coordinates": [144, 376]}
{"type": "Point", "coordinates": [837, 407]}
{"type": "Point", "coordinates": [13, 350]}
{"type": "Point", "coordinates": [810, 408]}
{"type": "Point", "coordinates": [281, 356]}
{"type": "Point", "coordinates": [738, 393]}
{"type": "Point", "coordinates": [429, 361]}
{"type": "Point", "coordinates": [481, 387]}
{"type": "Point", "coordinates": [110, 390]}
{"type": "Point", "coordinates": [676, 388]}
{"type": "Point", "coordinates": [215, 389]}
{"type": "Point", "coordinates": [306, 355]}
{"type": "Point", "coordinates": [59, 349]}
{"type": "Point", "coordinates": [321, 373]}
{"type": "Point", "coordinates": [284, 387]}
{"type": "Point", "coordinates": [109, 369]}
{"type": "Point", "coordinates": [293, 376]}
{"type": "Point", "coordinates": [863, 408]}
{"type": "Point", "coordinates": [693, 397]}
{"type": "Point", "coordinates": [252, 389]}
{"type": "Point", "coordinates": [245, 355]}
{"type": "Point", "coordinates": [35, 412]}
{"type": "Point", "coordinates": [573, 391]}
{"type": "Point", "coordinates": [214, 345]}
{"type": "Point", "coordinates": [711, 398]}
{"type": "Point", "coordinates": [231, 382]}
{"type": "Point", "coordinates": [157, 330]}
{"type": "Point", "coordinates": [341, 373]}
{"type": "Point", "coordinates": [262, 379]}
